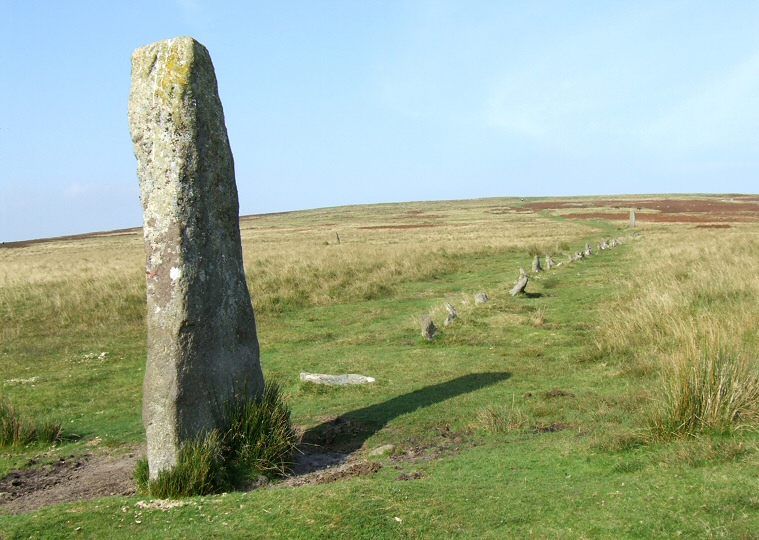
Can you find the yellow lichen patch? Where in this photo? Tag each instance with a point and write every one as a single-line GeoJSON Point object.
{"type": "Point", "coordinates": [172, 72]}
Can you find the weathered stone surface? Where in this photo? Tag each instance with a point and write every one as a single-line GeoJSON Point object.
{"type": "Point", "coordinates": [536, 264]}
{"type": "Point", "coordinates": [335, 380]}
{"type": "Point", "coordinates": [588, 251]}
{"type": "Point", "coordinates": [632, 219]}
{"type": "Point", "coordinates": [480, 298]}
{"type": "Point", "coordinates": [202, 342]}
{"type": "Point", "coordinates": [550, 262]}
{"type": "Point", "coordinates": [571, 257]}
{"type": "Point", "coordinates": [380, 450]}
{"type": "Point", "coordinates": [428, 328]}
{"type": "Point", "coordinates": [520, 283]}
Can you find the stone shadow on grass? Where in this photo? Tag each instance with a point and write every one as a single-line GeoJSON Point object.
{"type": "Point", "coordinates": [348, 432]}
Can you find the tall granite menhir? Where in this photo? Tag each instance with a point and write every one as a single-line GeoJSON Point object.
{"type": "Point", "coordinates": [202, 342]}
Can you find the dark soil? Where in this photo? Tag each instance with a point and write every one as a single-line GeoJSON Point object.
{"type": "Point", "coordinates": [549, 428]}
{"type": "Point", "coordinates": [416, 475]}
{"type": "Point", "coordinates": [66, 480]}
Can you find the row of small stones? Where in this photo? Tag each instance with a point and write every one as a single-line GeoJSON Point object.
{"type": "Point", "coordinates": [428, 326]}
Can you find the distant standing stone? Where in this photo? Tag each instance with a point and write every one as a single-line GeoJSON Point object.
{"type": "Point", "coordinates": [428, 328]}
{"type": "Point", "coordinates": [451, 314]}
{"type": "Point", "coordinates": [549, 262]}
{"type": "Point", "coordinates": [632, 219]}
{"type": "Point", "coordinates": [202, 341]}
{"type": "Point", "coordinates": [520, 283]}
{"type": "Point", "coordinates": [536, 265]}
{"type": "Point", "coordinates": [588, 250]}
{"type": "Point", "coordinates": [480, 298]}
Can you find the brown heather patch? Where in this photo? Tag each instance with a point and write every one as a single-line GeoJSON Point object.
{"type": "Point", "coordinates": [663, 218]}
{"type": "Point", "coordinates": [419, 214]}
{"type": "Point", "coordinates": [718, 209]}
{"type": "Point", "coordinates": [509, 210]}
{"type": "Point", "coordinates": [669, 206]}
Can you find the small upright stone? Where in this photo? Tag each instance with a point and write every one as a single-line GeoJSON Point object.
{"type": "Point", "coordinates": [588, 251]}
{"type": "Point", "coordinates": [202, 342]}
{"type": "Point", "coordinates": [451, 314]}
{"type": "Point", "coordinates": [536, 265]}
{"type": "Point", "coordinates": [549, 262]}
{"type": "Point", "coordinates": [480, 298]}
{"type": "Point", "coordinates": [632, 218]}
{"type": "Point", "coordinates": [428, 327]}
{"type": "Point", "coordinates": [520, 283]}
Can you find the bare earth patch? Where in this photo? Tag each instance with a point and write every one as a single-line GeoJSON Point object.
{"type": "Point", "coordinates": [70, 479]}
{"type": "Point", "coordinates": [78, 478]}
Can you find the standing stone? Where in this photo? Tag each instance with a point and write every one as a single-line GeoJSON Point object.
{"type": "Point", "coordinates": [428, 328]}
{"type": "Point", "coordinates": [632, 218]}
{"type": "Point", "coordinates": [202, 342]}
{"type": "Point", "coordinates": [536, 264]}
{"type": "Point", "coordinates": [480, 298]}
{"type": "Point", "coordinates": [451, 314]}
{"type": "Point", "coordinates": [588, 250]}
{"type": "Point", "coordinates": [520, 283]}
{"type": "Point", "coordinates": [549, 262]}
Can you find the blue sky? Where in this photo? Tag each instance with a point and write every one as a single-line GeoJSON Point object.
{"type": "Point", "coordinates": [333, 103]}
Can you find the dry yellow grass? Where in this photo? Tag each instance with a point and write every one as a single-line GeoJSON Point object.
{"type": "Point", "coordinates": [690, 285]}
{"type": "Point", "coordinates": [690, 314]}
{"type": "Point", "coordinates": [291, 259]}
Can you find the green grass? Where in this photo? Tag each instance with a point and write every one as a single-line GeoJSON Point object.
{"type": "Point", "coordinates": [498, 451]}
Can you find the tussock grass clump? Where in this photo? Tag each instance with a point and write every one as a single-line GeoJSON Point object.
{"type": "Point", "coordinates": [501, 419]}
{"type": "Point", "coordinates": [200, 470]}
{"type": "Point", "coordinates": [716, 389]}
{"type": "Point", "coordinates": [259, 434]}
{"type": "Point", "coordinates": [256, 438]}
{"type": "Point", "coordinates": [16, 430]}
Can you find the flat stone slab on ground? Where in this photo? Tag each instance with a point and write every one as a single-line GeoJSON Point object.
{"type": "Point", "coordinates": [335, 380]}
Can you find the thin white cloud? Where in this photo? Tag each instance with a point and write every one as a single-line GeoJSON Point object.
{"type": "Point", "coordinates": [722, 113]}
